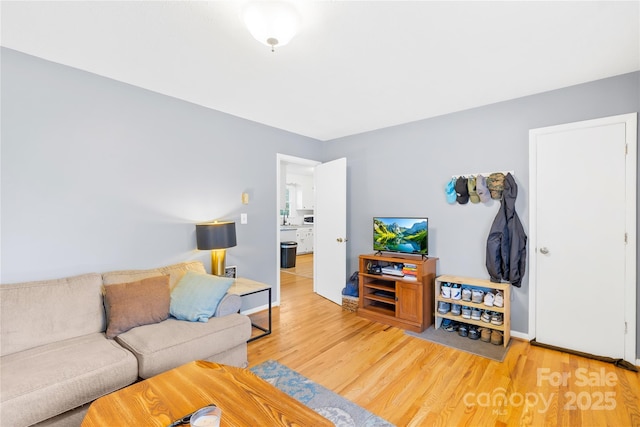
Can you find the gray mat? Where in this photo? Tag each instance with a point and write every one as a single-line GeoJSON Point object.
{"type": "Point", "coordinates": [453, 340]}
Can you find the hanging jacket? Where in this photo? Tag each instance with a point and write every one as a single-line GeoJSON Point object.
{"type": "Point", "coordinates": [507, 241]}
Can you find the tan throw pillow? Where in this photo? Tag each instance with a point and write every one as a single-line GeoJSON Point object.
{"type": "Point", "coordinates": [136, 303]}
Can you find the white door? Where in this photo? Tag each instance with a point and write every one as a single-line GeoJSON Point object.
{"type": "Point", "coordinates": [582, 246]}
{"type": "Point", "coordinates": [330, 234]}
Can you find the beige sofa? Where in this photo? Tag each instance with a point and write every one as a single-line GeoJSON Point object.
{"type": "Point", "coordinates": [55, 358]}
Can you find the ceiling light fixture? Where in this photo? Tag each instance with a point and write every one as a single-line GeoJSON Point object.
{"type": "Point", "coordinates": [273, 23]}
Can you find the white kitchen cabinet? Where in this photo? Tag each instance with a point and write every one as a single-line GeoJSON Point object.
{"type": "Point", "coordinates": [304, 238]}
{"type": "Point", "coordinates": [304, 192]}
{"type": "Point", "coordinates": [288, 235]}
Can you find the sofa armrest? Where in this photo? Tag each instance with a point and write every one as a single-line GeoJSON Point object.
{"type": "Point", "coordinates": [229, 304]}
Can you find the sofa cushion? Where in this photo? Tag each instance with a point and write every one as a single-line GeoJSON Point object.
{"type": "Point", "coordinates": [163, 346]}
{"type": "Point", "coordinates": [175, 272]}
{"type": "Point", "coordinates": [136, 303]}
{"type": "Point", "coordinates": [197, 295]}
{"type": "Point", "coordinates": [38, 313]}
{"type": "Point", "coordinates": [42, 382]}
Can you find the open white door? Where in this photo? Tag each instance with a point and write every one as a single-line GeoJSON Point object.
{"type": "Point", "coordinates": [330, 248]}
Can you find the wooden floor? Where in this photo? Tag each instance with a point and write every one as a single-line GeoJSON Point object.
{"type": "Point", "coordinates": [411, 382]}
{"type": "Point", "coordinates": [303, 267]}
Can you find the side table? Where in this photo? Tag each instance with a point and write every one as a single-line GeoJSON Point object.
{"type": "Point", "coordinates": [244, 287]}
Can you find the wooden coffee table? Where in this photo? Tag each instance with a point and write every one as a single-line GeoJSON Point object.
{"type": "Point", "coordinates": [245, 400]}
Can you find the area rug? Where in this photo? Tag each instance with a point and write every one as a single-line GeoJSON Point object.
{"type": "Point", "coordinates": [453, 340]}
{"type": "Point", "coordinates": [340, 411]}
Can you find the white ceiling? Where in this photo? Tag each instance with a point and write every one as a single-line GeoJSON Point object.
{"type": "Point", "coordinates": [355, 66]}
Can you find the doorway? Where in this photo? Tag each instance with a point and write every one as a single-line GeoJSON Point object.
{"type": "Point", "coordinates": [329, 235]}
{"type": "Point", "coordinates": [583, 236]}
{"type": "Point", "coordinates": [288, 199]}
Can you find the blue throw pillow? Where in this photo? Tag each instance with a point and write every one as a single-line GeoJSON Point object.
{"type": "Point", "coordinates": [197, 295]}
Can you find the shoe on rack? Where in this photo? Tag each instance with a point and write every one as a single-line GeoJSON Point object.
{"type": "Point", "coordinates": [489, 299]}
{"type": "Point", "coordinates": [451, 326]}
{"type": "Point", "coordinates": [445, 290]}
{"type": "Point", "coordinates": [466, 294]}
{"type": "Point", "coordinates": [456, 309]}
{"type": "Point", "coordinates": [476, 296]}
{"type": "Point", "coordinates": [463, 330]}
{"type": "Point", "coordinates": [499, 300]}
{"type": "Point", "coordinates": [444, 307]}
{"type": "Point", "coordinates": [475, 314]}
{"type": "Point", "coordinates": [474, 334]}
{"type": "Point", "coordinates": [456, 292]}
{"type": "Point", "coordinates": [486, 316]}
{"type": "Point", "coordinates": [497, 319]}
{"type": "Point", "coordinates": [466, 312]}
{"type": "Point", "coordinates": [496, 337]}
{"type": "Point", "coordinates": [485, 334]}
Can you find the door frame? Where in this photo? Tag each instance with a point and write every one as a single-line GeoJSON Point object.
{"type": "Point", "coordinates": [630, 286]}
{"type": "Point", "coordinates": [280, 158]}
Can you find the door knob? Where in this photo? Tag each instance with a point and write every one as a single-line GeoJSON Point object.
{"type": "Point", "coordinates": [544, 251]}
{"type": "Point", "coordinates": [340, 240]}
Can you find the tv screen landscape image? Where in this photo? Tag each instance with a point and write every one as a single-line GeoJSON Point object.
{"type": "Point", "coordinates": [401, 234]}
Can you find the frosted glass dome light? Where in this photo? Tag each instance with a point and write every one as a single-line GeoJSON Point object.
{"type": "Point", "coordinates": [273, 23]}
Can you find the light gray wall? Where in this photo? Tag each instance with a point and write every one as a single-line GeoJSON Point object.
{"type": "Point", "coordinates": [98, 175]}
{"type": "Point", "coordinates": [403, 170]}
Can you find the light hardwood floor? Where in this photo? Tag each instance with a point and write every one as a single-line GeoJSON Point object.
{"type": "Point", "coordinates": [411, 382]}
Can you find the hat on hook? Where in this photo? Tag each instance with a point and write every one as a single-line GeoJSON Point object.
{"type": "Point", "coordinates": [462, 190]}
{"type": "Point", "coordinates": [473, 194]}
{"type": "Point", "coordinates": [482, 189]}
{"type": "Point", "coordinates": [450, 191]}
{"type": "Point", "coordinates": [495, 182]}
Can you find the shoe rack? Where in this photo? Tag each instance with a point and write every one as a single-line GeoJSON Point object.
{"type": "Point", "coordinates": [505, 328]}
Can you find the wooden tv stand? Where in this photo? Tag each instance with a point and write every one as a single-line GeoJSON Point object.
{"type": "Point", "coordinates": [398, 301]}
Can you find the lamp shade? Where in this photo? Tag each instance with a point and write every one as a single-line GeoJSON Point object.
{"type": "Point", "coordinates": [216, 235]}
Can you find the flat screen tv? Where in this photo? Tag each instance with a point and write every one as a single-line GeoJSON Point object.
{"type": "Point", "coordinates": [401, 234]}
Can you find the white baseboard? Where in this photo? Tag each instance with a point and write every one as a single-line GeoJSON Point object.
{"type": "Point", "coordinates": [521, 335]}
{"type": "Point", "coordinates": [259, 308]}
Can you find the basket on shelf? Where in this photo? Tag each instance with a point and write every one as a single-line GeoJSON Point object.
{"type": "Point", "coordinates": [349, 303]}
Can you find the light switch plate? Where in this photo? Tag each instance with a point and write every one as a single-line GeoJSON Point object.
{"type": "Point", "coordinates": [243, 218]}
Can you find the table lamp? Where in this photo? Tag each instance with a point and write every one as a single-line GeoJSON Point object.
{"type": "Point", "coordinates": [217, 236]}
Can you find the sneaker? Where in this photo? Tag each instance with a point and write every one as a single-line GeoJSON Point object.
{"type": "Point", "coordinates": [474, 334]}
{"type": "Point", "coordinates": [499, 299]}
{"type": "Point", "coordinates": [445, 290]}
{"type": "Point", "coordinates": [496, 337]}
{"type": "Point", "coordinates": [489, 299]}
{"type": "Point", "coordinates": [466, 312]}
{"type": "Point", "coordinates": [463, 330]}
{"type": "Point", "coordinates": [444, 307]}
{"type": "Point", "coordinates": [476, 296]}
{"type": "Point", "coordinates": [456, 309]}
{"type": "Point", "coordinates": [466, 294]}
{"type": "Point", "coordinates": [496, 319]}
{"type": "Point", "coordinates": [456, 292]}
{"type": "Point", "coordinates": [486, 316]}
{"type": "Point", "coordinates": [451, 325]}
{"type": "Point", "coordinates": [485, 334]}
{"type": "Point", "coordinates": [475, 314]}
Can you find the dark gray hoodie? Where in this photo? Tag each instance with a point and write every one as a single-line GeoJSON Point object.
{"type": "Point", "coordinates": [507, 241]}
